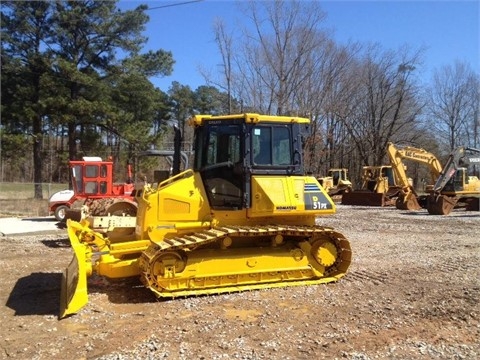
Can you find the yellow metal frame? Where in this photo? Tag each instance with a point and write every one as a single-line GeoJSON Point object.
{"type": "Point", "coordinates": [183, 246]}
{"type": "Point", "coordinates": [251, 118]}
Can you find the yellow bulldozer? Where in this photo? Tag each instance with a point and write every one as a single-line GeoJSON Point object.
{"type": "Point", "coordinates": [242, 218]}
{"type": "Point", "coordinates": [378, 188]}
{"type": "Point", "coordinates": [336, 183]}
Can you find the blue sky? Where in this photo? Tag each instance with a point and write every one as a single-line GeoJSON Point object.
{"type": "Point", "coordinates": [448, 29]}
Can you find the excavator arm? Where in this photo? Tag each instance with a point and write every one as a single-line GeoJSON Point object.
{"type": "Point", "coordinates": [459, 157]}
{"type": "Point", "coordinates": [441, 201]}
{"type": "Point", "coordinates": [407, 200]}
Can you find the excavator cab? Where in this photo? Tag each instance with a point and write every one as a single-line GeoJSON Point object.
{"type": "Point", "coordinates": [458, 182]}
{"type": "Point", "coordinates": [339, 176]}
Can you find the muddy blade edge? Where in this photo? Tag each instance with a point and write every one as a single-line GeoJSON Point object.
{"type": "Point", "coordinates": [74, 294]}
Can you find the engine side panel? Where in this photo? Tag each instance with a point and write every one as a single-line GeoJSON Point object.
{"type": "Point", "coordinates": [289, 196]}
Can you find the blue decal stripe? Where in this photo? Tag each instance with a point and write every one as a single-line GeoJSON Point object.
{"type": "Point", "coordinates": [311, 187]}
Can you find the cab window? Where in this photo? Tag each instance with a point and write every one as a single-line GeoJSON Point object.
{"type": "Point", "coordinates": [91, 171]}
{"type": "Point", "coordinates": [221, 156]}
{"type": "Point", "coordinates": [271, 145]}
{"type": "Point", "coordinates": [103, 170]}
{"type": "Point", "coordinates": [223, 145]}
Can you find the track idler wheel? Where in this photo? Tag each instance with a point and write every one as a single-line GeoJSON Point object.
{"type": "Point", "coordinates": [167, 264]}
{"type": "Point", "coordinates": [325, 252]}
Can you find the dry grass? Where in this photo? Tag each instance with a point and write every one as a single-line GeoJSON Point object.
{"type": "Point", "coordinates": [17, 199]}
{"type": "Point", "coordinates": [9, 190]}
{"type": "Point", "coordinates": [23, 207]}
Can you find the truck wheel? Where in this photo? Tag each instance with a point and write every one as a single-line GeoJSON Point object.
{"type": "Point", "coordinates": [60, 212]}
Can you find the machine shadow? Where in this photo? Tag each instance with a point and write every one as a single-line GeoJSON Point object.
{"type": "Point", "coordinates": [57, 243]}
{"type": "Point", "coordinates": [414, 212]}
{"type": "Point", "coordinates": [458, 213]}
{"type": "Point", "coordinates": [39, 219]}
{"type": "Point", "coordinates": [39, 293]}
{"type": "Point", "coordinates": [122, 291]}
{"type": "Point", "coordinates": [36, 294]}
{"type": "Point", "coordinates": [61, 225]}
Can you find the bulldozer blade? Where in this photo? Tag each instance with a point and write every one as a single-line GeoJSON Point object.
{"type": "Point", "coordinates": [363, 198]}
{"type": "Point", "coordinates": [74, 294]}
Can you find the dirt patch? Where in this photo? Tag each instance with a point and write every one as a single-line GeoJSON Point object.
{"type": "Point", "coordinates": [413, 291]}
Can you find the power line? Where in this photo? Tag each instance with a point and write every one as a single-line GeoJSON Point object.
{"type": "Point", "coordinates": [171, 5]}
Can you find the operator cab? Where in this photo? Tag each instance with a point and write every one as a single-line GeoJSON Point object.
{"type": "Point", "coordinates": [231, 150]}
{"type": "Point", "coordinates": [91, 175]}
{"type": "Point", "coordinates": [458, 181]}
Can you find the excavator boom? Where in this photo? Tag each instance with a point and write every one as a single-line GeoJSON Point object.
{"type": "Point", "coordinates": [460, 157]}
{"type": "Point", "coordinates": [454, 187]}
{"type": "Point", "coordinates": [408, 197]}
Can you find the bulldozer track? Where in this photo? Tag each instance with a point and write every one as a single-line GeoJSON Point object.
{"type": "Point", "coordinates": [453, 266]}
{"type": "Point", "coordinates": [367, 276]}
{"type": "Point", "coordinates": [200, 239]}
{"type": "Point", "coordinates": [212, 235]}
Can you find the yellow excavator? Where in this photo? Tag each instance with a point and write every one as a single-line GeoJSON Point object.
{"type": "Point", "coordinates": [408, 198]}
{"type": "Point", "coordinates": [243, 218]}
{"type": "Point", "coordinates": [455, 188]}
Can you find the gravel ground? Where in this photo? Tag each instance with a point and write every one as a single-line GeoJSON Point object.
{"type": "Point", "coordinates": [412, 292]}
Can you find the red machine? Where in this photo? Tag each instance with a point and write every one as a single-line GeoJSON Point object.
{"type": "Point", "coordinates": [92, 184]}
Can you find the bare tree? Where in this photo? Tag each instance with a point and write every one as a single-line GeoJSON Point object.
{"type": "Point", "coordinates": [321, 94]}
{"type": "Point", "coordinates": [224, 41]}
{"type": "Point", "coordinates": [357, 99]}
{"type": "Point", "coordinates": [385, 103]}
{"type": "Point", "coordinates": [278, 55]}
{"type": "Point", "coordinates": [453, 104]}
{"type": "Point", "coordinates": [290, 68]}
{"type": "Point", "coordinates": [475, 118]}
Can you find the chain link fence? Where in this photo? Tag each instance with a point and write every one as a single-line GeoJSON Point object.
{"type": "Point", "coordinates": [17, 190]}
{"type": "Point", "coordinates": [17, 199]}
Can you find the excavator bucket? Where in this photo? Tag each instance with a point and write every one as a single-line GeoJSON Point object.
{"type": "Point", "coordinates": [73, 294]}
{"type": "Point", "coordinates": [407, 202]}
{"type": "Point", "coordinates": [440, 204]}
